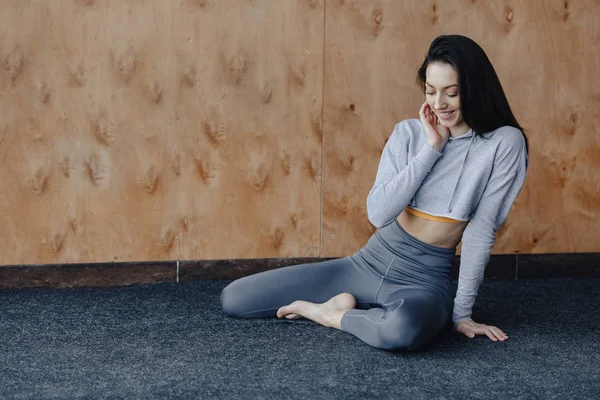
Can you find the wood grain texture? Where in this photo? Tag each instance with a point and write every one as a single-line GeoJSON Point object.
{"type": "Point", "coordinates": [236, 129]}
{"type": "Point", "coordinates": [155, 130]}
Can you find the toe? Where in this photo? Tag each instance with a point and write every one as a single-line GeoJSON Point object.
{"type": "Point", "coordinates": [281, 312]}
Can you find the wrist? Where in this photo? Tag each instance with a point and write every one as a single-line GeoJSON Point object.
{"type": "Point", "coordinates": [461, 320]}
{"type": "Point", "coordinates": [436, 145]}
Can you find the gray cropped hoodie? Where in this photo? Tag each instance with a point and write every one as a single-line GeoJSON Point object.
{"type": "Point", "coordinates": [472, 179]}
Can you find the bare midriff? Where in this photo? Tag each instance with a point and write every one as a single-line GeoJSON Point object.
{"type": "Point", "coordinates": [440, 232]}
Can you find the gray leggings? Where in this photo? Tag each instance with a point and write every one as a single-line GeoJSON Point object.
{"type": "Point", "coordinates": [403, 289]}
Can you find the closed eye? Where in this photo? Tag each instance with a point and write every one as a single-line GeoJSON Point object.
{"type": "Point", "coordinates": [450, 95]}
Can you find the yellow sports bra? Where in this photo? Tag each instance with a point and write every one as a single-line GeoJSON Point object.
{"type": "Point", "coordinates": [429, 216]}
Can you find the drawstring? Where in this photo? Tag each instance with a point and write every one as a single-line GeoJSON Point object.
{"type": "Point", "coordinates": [449, 209]}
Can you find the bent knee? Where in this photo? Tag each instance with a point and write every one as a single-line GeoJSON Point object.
{"type": "Point", "coordinates": [229, 302]}
{"type": "Point", "coordinates": [404, 330]}
{"type": "Point", "coordinates": [406, 338]}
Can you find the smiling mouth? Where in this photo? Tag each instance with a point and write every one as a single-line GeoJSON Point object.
{"type": "Point", "coordinates": [445, 114]}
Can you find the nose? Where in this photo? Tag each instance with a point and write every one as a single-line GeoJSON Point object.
{"type": "Point", "coordinates": [438, 105]}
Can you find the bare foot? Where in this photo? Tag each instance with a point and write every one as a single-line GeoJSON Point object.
{"type": "Point", "coordinates": [328, 314]}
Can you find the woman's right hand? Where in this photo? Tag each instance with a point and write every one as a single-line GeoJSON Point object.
{"type": "Point", "coordinates": [437, 134]}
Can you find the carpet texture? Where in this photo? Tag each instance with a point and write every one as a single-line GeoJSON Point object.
{"type": "Point", "coordinates": [173, 341]}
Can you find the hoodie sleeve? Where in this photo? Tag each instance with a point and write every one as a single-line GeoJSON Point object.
{"type": "Point", "coordinates": [505, 183]}
{"type": "Point", "coordinates": [398, 178]}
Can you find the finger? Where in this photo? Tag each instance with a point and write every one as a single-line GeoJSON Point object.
{"type": "Point", "coordinates": [425, 115]}
{"type": "Point", "coordinates": [468, 333]}
{"type": "Point", "coordinates": [422, 110]}
{"type": "Point", "coordinates": [431, 115]}
{"type": "Point", "coordinates": [497, 330]}
{"type": "Point", "coordinates": [499, 334]}
{"type": "Point", "coordinates": [495, 334]}
{"type": "Point", "coordinates": [491, 335]}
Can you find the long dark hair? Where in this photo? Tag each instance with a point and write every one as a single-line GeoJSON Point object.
{"type": "Point", "coordinates": [483, 102]}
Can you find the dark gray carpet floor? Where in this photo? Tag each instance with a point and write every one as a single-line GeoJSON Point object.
{"type": "Point", "coordinates": [173, 341]}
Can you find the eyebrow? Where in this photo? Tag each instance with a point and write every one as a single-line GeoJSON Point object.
{"type": "Point", "coordinates": [442, 88]}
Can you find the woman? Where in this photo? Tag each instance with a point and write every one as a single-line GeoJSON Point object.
{"type": "Point", "coordinates": [451, 175]}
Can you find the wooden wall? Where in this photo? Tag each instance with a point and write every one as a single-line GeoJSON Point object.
{"type": "Point", "coordinates": [137, 130]}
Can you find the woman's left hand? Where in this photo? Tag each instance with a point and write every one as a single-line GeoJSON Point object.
{"type": "Point", "coordinates": [471, 328]}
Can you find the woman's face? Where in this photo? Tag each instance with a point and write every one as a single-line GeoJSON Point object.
{"type": "Point", "coordinates": [443, 96]}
